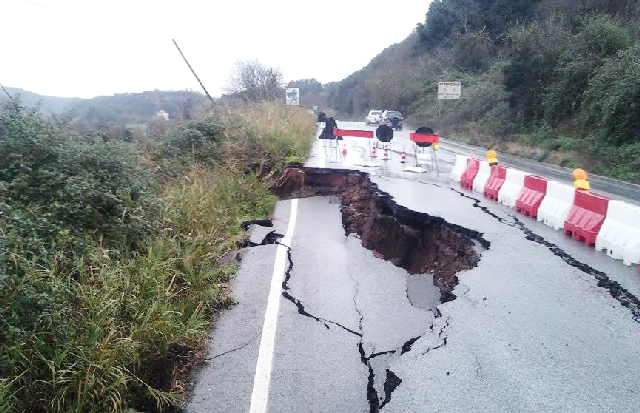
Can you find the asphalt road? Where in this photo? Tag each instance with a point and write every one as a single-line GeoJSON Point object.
{"type": "Point", "coordinates": [323, 325]}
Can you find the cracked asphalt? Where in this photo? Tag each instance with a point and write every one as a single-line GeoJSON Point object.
{"type": "Point", "coordinates": [533, 328]}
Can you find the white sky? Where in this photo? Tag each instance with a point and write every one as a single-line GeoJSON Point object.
{"type": "Point", "coordinates": [87, 48]}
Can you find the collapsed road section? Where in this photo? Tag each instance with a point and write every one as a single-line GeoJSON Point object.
{"type": "Point", "coordinates": [417, 242]}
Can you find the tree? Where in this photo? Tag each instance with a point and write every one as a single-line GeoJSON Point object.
{"type": "Point", "coordinates": [254, 82]}
{"type": "Point", "coordinates": [612, 101]}
{"type": "Point", "coordinates": [472, 51]}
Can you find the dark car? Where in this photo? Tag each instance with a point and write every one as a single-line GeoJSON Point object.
{"type": "Point", "coordinates": [392, 118]}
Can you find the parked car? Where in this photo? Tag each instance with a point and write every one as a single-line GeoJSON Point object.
{"type": "Point", "coordinates": [373, 118]}
{"type": "Point", "coordinates": [392, 118]}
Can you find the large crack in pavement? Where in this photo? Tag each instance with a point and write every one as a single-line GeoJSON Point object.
{"type": "Point", "coordinates": [286, 293]}
{"type": "Point", "coordinates": [418, 242]}
{"type": "Point", "coordinates": [415, 241]}
{"type": "Point", "coordinates": [376, 400]}
{"type": "Point", "coordinates": [617, 291]}
{"type": "Point", "coordinates": [392, 381]}
{"type": "Point", "coordinates": [274, 238]}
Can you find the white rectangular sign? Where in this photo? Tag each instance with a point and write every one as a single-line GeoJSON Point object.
{"type": "Point", "coordinates": [293, 96]}
{"type": "Point", "coordinates": [449, 90]}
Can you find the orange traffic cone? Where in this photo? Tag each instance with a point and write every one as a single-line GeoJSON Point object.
{"type": "Point", "coordinates": [373, 151]}
{"type": "Point", "coordinates": [403, 158]}
{"type": "Point", "coordinates": [344, 149]}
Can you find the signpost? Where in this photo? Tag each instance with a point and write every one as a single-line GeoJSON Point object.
{"type": "Point", "coordinates": [293, 96]}
{"type": "Point", "coordinates": [448, 90]}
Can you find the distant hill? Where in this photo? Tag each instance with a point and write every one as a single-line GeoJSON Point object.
{"type": "Point", "coordinates": [46, 104]}
{"type": "Point", "coordinates": [117, 110]}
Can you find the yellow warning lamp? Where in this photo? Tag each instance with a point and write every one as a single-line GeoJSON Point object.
{"type": "Point", "coordinates": [580, 179]}
{"type": "Point", "coordinates": [579, 173]}
{"type": "Point", "coordinates": [492, 157]}
{"type": "Point", "coordinates": [436, 146]}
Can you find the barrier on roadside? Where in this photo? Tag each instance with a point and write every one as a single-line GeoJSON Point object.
{"type": "Point", "coordinates": [466, 180]}
{"type": "Point", "coordinates": [512, 187]}
{"type": "Point", "coordinates": [458, 168]}
{"type": "Point", "coordinates": [533, 192]}
{"type": "Point", "coordinates": [495, 181]}
{"type": "Point", "coordinates": [586, 217]}
{"type": "Point", "coordinates": [424, 139]}
{"type": "Point", "coordinates": [482, 177]}
{"type": "Point", "coordinates": [354, 133]}
{"type": "Point", "coordinates": [424, 148]}
{"type": "Point", "coordinates": [620, 233]}
{"type": "Point", "coordinates": [556, 205]}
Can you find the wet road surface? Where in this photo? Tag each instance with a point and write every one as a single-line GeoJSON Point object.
{"type": "Point", "coordinates": [530, 329]}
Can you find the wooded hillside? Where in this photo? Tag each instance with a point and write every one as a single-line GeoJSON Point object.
{"type": "Point", "coordinates": [553, 79]}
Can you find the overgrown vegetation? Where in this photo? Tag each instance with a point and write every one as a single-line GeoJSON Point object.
{"type": "Point", "coordinates": [534, 72]}
{"type": "Point", "coordinates": [111, 254]}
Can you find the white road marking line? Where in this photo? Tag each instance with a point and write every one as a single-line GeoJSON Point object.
{"type": "Point", "coordinates": [261, 381]}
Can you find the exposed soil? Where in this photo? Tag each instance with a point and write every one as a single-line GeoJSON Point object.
{"type": "Point", "coordinates": [417, 242]}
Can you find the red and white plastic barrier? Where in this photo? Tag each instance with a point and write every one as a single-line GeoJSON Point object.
{"type": "Point", "coordinates": [482, 177]}
{"type": "Point", "coordinates": [613, 226]}
{"type": "Point", "coordinates": [620, 233]}
{"type": "Point", "coordinates": [512, 187]}
{"type": "Point", "coordinates": [533, 192]}
{"type": "Point", "coordinates": [495, 181]}
{"type": "Point", "coordinates": [466, 180]}
{"type": "Point", "coordinates": [557, 203]}
{"type": "Point", "coordinates": [586, 217]}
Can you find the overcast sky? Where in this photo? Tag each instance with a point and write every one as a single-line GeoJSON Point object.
{"type": "Point", "coordinates": [87, 48]}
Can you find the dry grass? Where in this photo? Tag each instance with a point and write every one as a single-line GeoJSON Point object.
{"type": "Point", "coordinates": [269, 132]}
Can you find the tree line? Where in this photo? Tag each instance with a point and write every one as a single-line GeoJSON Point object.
{"type": "Point", "coordinates": [553, 75]}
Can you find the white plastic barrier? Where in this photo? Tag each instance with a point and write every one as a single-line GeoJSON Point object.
{"type": "Point", "coordinates": [620, 233]}
{"type": "Point", "coordinates": [556, 204]}
{"type": "Point", "coordinates": [423, 158]}
{"type": "Point", "coordinates": [512, 187]}
{"type": "Point", "coordinates": [482, 177]}
{"type": "Point", "coordinates": [459, 168]}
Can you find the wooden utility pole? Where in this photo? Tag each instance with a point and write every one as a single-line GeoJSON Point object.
{"type": "Point", "coordinates": [192, 71]}
{"type": "Point", "coordinates": [7, 93]}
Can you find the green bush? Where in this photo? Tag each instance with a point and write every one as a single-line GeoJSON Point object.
{"type": "Point", "coordinates": [109, 268]}
{"type": "Point", "coordinates": [595, 38]}
{"type": "Point", "coordinates": [612, 102]}
{"type": "Point", "coordinates": [563, 143]}
{"type": "Point", "coordinates": [58, 192]}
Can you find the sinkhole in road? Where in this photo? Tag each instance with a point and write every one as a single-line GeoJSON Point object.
{"type": "Point", "coordinates": [418, 242]}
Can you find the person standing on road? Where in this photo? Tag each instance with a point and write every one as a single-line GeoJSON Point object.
{"type": "Point", "coordinates": [329, 125]}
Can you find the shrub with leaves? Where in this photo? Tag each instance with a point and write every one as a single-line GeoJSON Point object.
{"type": "Point", "coordinates": [612, 102]}
{"type": "Point", "coordinates": [108, 279]}
{"type": "Point", "coordinates": [57, 192]}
